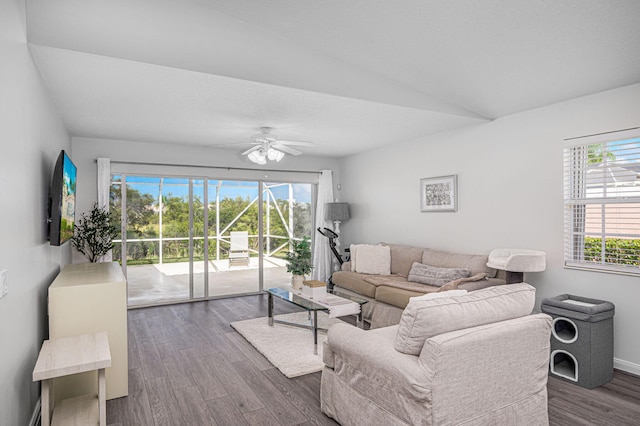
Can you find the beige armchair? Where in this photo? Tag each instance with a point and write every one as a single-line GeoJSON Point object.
{"type": "Point", "coordinates": [475, 359]}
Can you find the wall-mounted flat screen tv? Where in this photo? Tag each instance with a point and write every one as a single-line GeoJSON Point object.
{"type": "Point", "coordinates": [62, 201]}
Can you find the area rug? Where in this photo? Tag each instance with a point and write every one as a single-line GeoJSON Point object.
{"type": "Point", "coordinates": [289, 349]}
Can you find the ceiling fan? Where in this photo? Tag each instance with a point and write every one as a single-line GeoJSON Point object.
{"type": "Point", "coordinates": [267, 146]}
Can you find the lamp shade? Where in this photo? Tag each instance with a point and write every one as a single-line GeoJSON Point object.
{"type": "Point", "coordinates": [336, 211]}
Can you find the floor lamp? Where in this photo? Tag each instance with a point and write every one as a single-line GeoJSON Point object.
{"type": "Point", "coordinates": [336, 212]}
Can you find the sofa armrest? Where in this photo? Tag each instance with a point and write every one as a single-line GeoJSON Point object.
{"type": "Point", "coordinates": [365, 347]}
{"type": "Point", "coordinates": [367, 363]}
{"type": "Point", "coordinates": [346, 266]}
{"type": "Point", "coordinates": [327, 355]}
{"type": "Point", "coordinates": [514, 358]}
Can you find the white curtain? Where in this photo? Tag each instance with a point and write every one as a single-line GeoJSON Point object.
{"type": "Point", "coordinates": [321, 253]}
{"type": "Point", "coordinates": [104, 186]}
{"type": "Point", "coordinates": [104, 182]}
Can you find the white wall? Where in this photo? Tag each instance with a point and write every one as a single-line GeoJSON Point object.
{"type": "Point", "coordinates": [31, 136]}
{"type": "Point", "coordinates": [86, 150]}
{"type": "Point", "coordinates": [510, 195]}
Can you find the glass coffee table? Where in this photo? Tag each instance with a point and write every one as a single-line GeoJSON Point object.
{"type": "Point", "coordinates": [292, 296]}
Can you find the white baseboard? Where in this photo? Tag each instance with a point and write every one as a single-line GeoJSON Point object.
{"type": "Point", "coordinates": [627, 366]}
{"type": "Point", "coordinates": [35, 417]}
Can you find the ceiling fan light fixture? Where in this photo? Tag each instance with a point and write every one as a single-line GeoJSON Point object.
{"type": "Point", "coordinates": [267, 147]}
{"type": "Point", "coordinates": [274, 154]}
{"type": "Point", "coordinates": [258, 157]}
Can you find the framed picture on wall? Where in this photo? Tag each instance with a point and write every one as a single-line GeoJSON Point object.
{"type": "Point", "coordinates": [439, 194]}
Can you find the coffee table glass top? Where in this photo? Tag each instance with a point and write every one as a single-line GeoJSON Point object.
{"type": "Point", "coordinates": [294, 297]}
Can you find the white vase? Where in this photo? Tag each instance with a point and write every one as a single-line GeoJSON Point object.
{"type": "Point", "coordinates": [296, 281]}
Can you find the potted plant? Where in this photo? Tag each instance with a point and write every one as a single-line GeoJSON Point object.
{"type": "Point", "coordinates": [94, 233]}
{"type": "Point", "coordinates": [299, 262]}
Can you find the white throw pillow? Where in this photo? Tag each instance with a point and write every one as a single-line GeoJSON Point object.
{"type": "Point", "coordinates": [438, 294]}
{"type": "Point", "coordinates": [353, 249]}
{"type": "Point", "coordinates": [370, 259]}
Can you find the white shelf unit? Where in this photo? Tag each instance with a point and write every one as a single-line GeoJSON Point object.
{"type": "Point", "coordinates": [71, 356]}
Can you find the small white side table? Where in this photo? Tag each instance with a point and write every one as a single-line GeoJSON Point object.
{"type": "Point", "coordinates": [72, 355]}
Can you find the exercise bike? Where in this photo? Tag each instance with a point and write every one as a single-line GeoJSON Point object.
{"type": "Point", "coordinates": [332, 236]}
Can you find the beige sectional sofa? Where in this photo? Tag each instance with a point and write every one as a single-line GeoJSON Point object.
{"type": "Point", "coordinates": [389, 294]}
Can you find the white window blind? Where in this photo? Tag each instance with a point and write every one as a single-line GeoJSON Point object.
{"type": "Point", "coordinates": [602, 202]}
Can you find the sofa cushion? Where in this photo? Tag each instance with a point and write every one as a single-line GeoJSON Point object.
{"type": "Point", "coordinates": [433, 275]}
{"type": "Point", "coordinates": [423, 319]}
{"type": "Point", "coordinates": [439, 294]}
{"type": "Point", "coordinates": [354, 282]}
{"type": "Point", "coordinates": [370, 259]}
{"type": "Point", "coordinates": [402, 257]}
{"type": "Point", "coordinates": [398, 297]}
{"type": "Point", "coordinates": [398, 281]}
{"type": "Point", "coordinates": [470, 285]}
{"type": "Point", "coordinates": [444, 259]}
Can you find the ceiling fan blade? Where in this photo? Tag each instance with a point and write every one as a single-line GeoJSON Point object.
{"type": "Point", "coordinates": [250, 150]}
{"type": "Point", "coordinates": [298, 143]}
{"type": "Point", "coordinates": [286, 149]}
{"type": "Point", "coordinates": [260, 139]}
{"type": "Point", "coordinates": [222, 145]}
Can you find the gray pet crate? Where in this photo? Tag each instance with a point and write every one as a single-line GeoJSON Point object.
{"type": "Point", "coordinates": [582, 339]}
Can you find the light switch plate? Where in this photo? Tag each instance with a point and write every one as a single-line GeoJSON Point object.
{"type": "Point", "coordinates": [4, 283]}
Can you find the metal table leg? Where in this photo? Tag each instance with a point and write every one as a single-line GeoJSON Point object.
{"type": "Point", "coordinates": [270, 304]}
{"type": "Point", "coordinates": [315, 332]}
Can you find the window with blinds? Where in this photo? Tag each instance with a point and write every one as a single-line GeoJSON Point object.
{"type": "Point", "coordinates": [602, 202]}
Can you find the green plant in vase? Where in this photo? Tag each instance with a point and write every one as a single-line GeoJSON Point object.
{"type": "Point", "coordinates": [94, 233]}
{"type": "Point", "coordinates": [299, 261]}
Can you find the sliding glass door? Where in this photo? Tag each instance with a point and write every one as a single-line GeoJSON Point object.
{"type": "Point", "coordinates": [180, 210]}
{"type": "Point", "coordinates": [234, 237]}
{"type": "Point", "coordinates": [195, 238]}
{"type": "Point", "coordinates": [287, 216]}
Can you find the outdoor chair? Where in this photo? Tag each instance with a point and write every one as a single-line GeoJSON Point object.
{"type": "Point", "coordinates": [239, 250]}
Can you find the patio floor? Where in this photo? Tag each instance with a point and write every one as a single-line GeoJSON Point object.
{"type": "Point", "coordinates": [150, 284]}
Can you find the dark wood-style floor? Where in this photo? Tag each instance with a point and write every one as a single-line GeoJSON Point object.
{"type": "Point", "coordinates": [187, 366]}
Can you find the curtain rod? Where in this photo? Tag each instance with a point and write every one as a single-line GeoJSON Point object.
{"type": "Point", "coordinates": [601, 134]}
{"type": "Point", "coordinates": [140, 163]}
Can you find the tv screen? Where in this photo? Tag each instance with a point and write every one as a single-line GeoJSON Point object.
{"type": "Point", "coordinates": [63, 200]}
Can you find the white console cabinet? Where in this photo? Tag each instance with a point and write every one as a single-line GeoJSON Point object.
{"type": "Point", "coordinates": [89, 298]}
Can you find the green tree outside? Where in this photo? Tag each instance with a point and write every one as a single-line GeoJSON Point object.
{"type": "Point", "coordinates": [143, 222]}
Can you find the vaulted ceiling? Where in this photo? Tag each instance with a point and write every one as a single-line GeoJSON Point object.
{"type": "Point", "coordinates": [347, 75]}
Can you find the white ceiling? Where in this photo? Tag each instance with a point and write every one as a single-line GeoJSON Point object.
{"type": "Point", "coordinates": [346, 75]}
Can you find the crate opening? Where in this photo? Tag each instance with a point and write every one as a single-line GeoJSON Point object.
{"type": "Point", "coordinates": [565, 330]}
{"type": "Point", "coordinates": [563, 364]}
